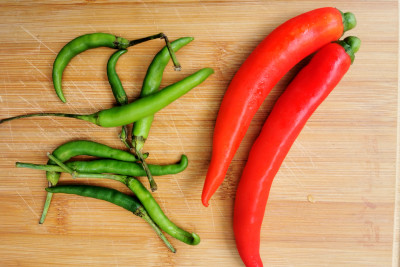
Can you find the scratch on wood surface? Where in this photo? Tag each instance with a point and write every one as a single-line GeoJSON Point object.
{"type": "Point", "coordinates": [8, 109]}
{"type": "Point", "coordinates": [177, 132]}
{"type": "Point", "coordinates": [67, 133]}
{"type": "Point", "coordinates": [294, 175]}
{"type": "Point", "coordinates": [92, 86]}
{"type": "Point", "coordinates": [38, 40]}
{"type": "Point", "coordinates": [160, 140]}
{"type": "Point", "coordinates": [146, 6]}
{"type": "Point", "coordinates": [308, 153]}
{"type": "Point", "coordinates": [84, 96]}
{"type": "Point", "coordinates": [299, 171]}
{"type": "Point", "coordinates": [36, 107]}
{"type": "Point", "coordinates": [178, 14]}
{"type": "Point", "coordinates": [27, 205]}
{"type": "Point", "coordinates": [42, 130]}
{"type": "Point", "coordinates": [183, 195]}
{"type": "Point", "coordinates": [219, 210]}
{"type": "Point", "coordinates": [44, 75]}
{"type": "Point", "coordinates": [8, 146]}
{"type": "Point", "coordinates": [189, 118]}
{"type": "Point", "coordinates": [212, 217]}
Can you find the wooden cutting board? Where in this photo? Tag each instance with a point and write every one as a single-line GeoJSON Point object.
{"type": "Point", "coordinates": [334, 201]}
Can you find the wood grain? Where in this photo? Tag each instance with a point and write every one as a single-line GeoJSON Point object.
{"type": "Point", "coordinates": [344, 160]}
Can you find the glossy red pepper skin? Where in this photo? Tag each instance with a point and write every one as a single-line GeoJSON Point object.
{"type": "Point", "coordinates": [287, 118]}
{"type": "Point", "coordinates": [282, 49]}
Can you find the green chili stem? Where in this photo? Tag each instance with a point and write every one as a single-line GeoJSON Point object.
{"type": "Point", "coordinates": [116, 177]}
{"type": "Point", "coordinates": [89, 118]}
{"type": "Point", "coordinates": [60, 163]}
{"type": "Point", "coordinates": [177, 66]}
{"type": "Point", "coordinates": [161, 35]}
{"type": "Point", "coordinates": [123, 136]}
{"type": "Point", "coordinates": [145, 216]}
{"type": "Point", "coordinates": [46, 205]}
{"type": "Point", "coordinates": [145, 39]}
{"type": "Point", "coordinates": [43, 167]}
{"type": "Point", "coordinates": [153, 184]}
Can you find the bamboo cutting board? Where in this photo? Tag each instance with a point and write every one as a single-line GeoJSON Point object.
{"type": "Point", "coordinates": [333, 202]}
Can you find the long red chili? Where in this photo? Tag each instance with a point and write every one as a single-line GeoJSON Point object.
{"type": "Point", "coordinates": [288, 116]}
{"type": "Point", "coordinates": [267, 64]}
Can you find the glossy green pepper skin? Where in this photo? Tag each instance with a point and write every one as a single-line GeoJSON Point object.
{"type": "Point", "coordinates": [115, 83]}
{"type": "Point", "coordinates": [143, 107]}
{"type": "Point", "coordinates": [126, 168]}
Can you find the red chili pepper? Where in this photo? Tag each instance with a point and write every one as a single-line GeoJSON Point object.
{"type": "Point", "coordinates": [267, 64]}
{"type": "Point", "coordinates": [288, 116]}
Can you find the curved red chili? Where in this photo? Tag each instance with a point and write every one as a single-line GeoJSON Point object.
{"type": "Point", "coordinates": [288, 116]}
{"type": "Point", "coordinates": [267, 64]}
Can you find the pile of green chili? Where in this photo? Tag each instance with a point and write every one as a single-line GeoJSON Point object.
{"type": "Point", "coordinates": [116, 164]}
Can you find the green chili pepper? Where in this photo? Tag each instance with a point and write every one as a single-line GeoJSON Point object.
{"type": "Point", "coordinates": [145, 198]}
{"type": "Point", "coordinates": [158, 215]}
{"type": "Point", "coordinates": [151, 84]}
{"type": "Point", "coordinates": [88, 41]}
{"type": "Point", "coordinates": [117, 88]}
{"type": "Point", "coordinates": [112, 166]}
{"type": "Point", "coordinates": [113, 79]}
{"type": "Point", "coordinates": [139, 109]}
{"type": "Point", "coordinates": [113, 196]}
{"type": "Point", "coordinates": [77, 148]}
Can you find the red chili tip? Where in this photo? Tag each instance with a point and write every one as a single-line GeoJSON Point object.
{"type": "Point", "coordinates": [205, 203]}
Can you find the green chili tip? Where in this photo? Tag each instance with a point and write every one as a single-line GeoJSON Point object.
{"type": "Point", "coordinates": [196, 239]}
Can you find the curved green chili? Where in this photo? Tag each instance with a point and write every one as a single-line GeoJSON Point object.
{"type": "Point", "coordinates": [78, 45]}
{"type": "Point", "coordinates": [158, 215]}
{"type": "Point", "coordinates": [113, 79]}
{"type": "Point", "coordinates": [88, 41]}
{"type": "Point", "coordinates": [117, 88]}
{"type": "Point", "coordinates": [139, 109]}
{"type": "Point", "coordinates": [77, 148]}
{"type": "Point", "coordinates": [113, 196]}
{"type": "Point", "coordinates": [151, 84]}
{"type": "Point", "coordinates": [112, 166]}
